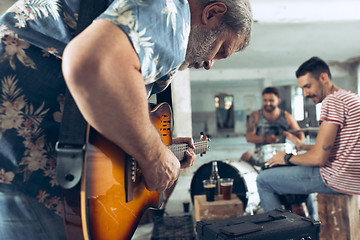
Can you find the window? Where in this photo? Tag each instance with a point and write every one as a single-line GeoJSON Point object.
{"type": "Point", "coordinates": [297, 105]}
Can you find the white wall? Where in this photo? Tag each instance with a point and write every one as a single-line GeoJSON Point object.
{"type": "Point", "coordinates": [5, 4]}
{"type": "Point", "coordinates": [246, 98]}
{"type": "Point", "coordinates": [181, 101]}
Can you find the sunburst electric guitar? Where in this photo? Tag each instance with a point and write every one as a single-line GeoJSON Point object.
{"type": "Point", "coordinates": [112, 193]}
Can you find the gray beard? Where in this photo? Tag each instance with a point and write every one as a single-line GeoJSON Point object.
{"type": "Point", "coordinates": [200, 45]}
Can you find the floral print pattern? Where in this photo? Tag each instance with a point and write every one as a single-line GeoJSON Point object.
{"type": "Point", "coordinates": [6, 177]}
{"type": "Point", "coordinates": [19, 115]}
{"type": "Point", "coordinates": [152, 41]}
{"type": "Point", "coordinates": [171, 11]}
{"type": "Point", "coordinates": [15, 47]}
{"type": "Point", "coordinates": [30, 10]}
{"type": "Point", "coordinates": [33, 35]}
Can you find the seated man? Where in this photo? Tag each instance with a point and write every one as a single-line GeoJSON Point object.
{"type": "Point", "coordinates": [331, 164]}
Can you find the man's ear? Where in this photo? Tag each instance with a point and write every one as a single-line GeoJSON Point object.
{"type": "Point", "coordinates": [324, 78]}
{"type": "Point", "coordinates": [212, 14]}
{"type": "Point", "coordinates": [279, 101]}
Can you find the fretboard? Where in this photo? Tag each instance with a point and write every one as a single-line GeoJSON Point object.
{"type": "Point", "coordinates": [180, 149]}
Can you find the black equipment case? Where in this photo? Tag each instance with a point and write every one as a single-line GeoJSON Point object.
{"type": "Point", "coordinates": [278, 224]}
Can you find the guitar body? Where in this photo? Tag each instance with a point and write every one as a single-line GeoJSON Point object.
{"type": "Point", "coordinates": [111, 202]}
{"type": "Point", "coordinates": [110, 199]}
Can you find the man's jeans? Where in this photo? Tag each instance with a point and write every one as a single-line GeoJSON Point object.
{"type": "Point", "coordinates": [289, 180]}
{"type": "Point", "coordinates": [22, 217]}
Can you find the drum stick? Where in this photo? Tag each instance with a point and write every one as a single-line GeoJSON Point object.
{"type": "Point", "coordinates": [308, 129]}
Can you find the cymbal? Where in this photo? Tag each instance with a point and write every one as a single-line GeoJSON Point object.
{"type": "Point", "coordinates": [307, 129]}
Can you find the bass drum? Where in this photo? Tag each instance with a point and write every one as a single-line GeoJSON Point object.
{"type": "Point", "coordinates": [244, 187]}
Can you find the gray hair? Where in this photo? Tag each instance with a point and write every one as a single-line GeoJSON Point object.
{"type": "Point", "coordinates": [238, 17]}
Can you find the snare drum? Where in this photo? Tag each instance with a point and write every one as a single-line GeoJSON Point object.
{"type": "Point", "coordinates": [269, 150]}
{"type": "Point", "coordinates": [260, 155]}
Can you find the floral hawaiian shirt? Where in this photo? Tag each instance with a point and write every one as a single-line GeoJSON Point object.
{"type": "Point", "coordinates": [33, 35]}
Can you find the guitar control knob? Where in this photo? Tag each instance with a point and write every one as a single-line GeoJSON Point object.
{"type": "Point", "coordinates": [133, 170]}
{"type": "Point", "coordinates": [133, 176]}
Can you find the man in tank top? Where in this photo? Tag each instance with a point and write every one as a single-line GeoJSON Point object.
{"type": "Point", "coordinates": [267, 125]}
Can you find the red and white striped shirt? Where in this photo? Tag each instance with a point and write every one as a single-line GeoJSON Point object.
{"type": "Point", "coordinates": [342, 170]}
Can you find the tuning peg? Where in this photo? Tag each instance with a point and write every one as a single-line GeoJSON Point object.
{"type": "Point", "coordinates": [201, 135]}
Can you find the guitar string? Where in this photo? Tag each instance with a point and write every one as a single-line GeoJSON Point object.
{"type": "Point", "coordinates": [182, 150]}
{"type": "Point", "coordinates": [183, 147]}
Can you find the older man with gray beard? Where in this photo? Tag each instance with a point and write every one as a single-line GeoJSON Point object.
{"type": "Point", "coordinates": [130, 51]}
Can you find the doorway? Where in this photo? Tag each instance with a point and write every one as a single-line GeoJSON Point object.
{"type": "Point", "coordinates": [224, 104]}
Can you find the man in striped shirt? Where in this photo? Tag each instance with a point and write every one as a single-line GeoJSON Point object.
{"type": "Point", "coordinates": [332, 164]}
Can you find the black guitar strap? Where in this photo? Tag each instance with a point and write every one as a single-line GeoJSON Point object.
{"type": "Point", "coordinates": [73, 130]}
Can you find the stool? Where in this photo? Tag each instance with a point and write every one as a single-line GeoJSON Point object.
{"type": "Point", "coordinates": [295, 203]}
{"type": "Point", "coordinates": [339, 217]}
{"type": "Point", "coordinates": [218, 209]}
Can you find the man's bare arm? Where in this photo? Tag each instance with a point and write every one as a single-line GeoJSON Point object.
{"type": "Point", "coordinates": [320, 152]}
{"type": "Point", "coordinates": [251, 129]}
{"type": "Point", "coordinates": [251, 124]}
{"type": "Point", "coordinates": [299, 145]}
{"type": "Point", "coordinates": [102, 71]}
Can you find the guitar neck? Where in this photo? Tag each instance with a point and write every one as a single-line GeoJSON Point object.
{"type": "Point", "coordinates": [180, 149]}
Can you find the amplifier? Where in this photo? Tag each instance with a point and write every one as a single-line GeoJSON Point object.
{"type": "Point", "coordinates": [278, 224]}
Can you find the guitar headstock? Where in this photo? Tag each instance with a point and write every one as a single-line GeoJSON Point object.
{"type": "Point", "coordinates": [204, 137]}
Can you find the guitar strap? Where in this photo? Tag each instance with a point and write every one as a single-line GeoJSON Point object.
{"type": "Point", "coordinates": [71, 146]}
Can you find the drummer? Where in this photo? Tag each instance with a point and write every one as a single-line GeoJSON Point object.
{"type": "Point", "coordinates": [267, 125]}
